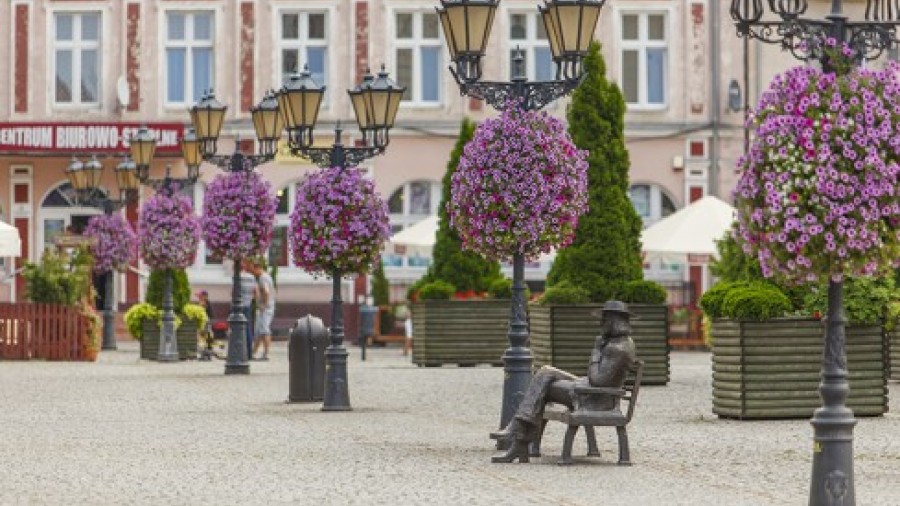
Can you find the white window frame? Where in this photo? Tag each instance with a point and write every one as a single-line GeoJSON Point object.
{"type": "Point", "coordinates": [77, 46]}
{"type": "Point", "coordinates": [188, 44]}
{"type": "Point", "coordinates": [654, 201]}
{"type": "Point", "coordinates": [304, 42]}
{"type": "Point", "coordinates": [416, 43]}
{"type": "Point", "coordinates": [641, 45]}
{"type": "Point", "coordinates": [528, 45]}
{"type": "Point", "coordinates": [405, 219]}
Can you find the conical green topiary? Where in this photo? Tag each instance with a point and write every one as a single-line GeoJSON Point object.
{"type": "Point", "coordinates": [381, 289]}
{"type": "Point", "coordinates": [462, 269]}
{"type": "Point", "coordinates": [606, 252]}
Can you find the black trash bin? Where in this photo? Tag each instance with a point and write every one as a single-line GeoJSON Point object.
{"type": "Point", "coordinates": [306, 357]}
{"type": "Point", "coordinates": [367, 315]}
{"type": "Point", "coordinates": [367, 318]}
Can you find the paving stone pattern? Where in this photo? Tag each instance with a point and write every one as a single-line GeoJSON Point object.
{"type": "Point", "coordinates": [125, 431]}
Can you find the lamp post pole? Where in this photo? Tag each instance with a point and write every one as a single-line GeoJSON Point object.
{"type": "Point", "coordinates": [237, 358]}
{"type": "Point", "coordinates": [832, 481]}
{"type": "Point", "coordinates": [337, 395]}
{"type": "Point", "coordinates": [208, 116]}
{"type": "Point", "coordinates": [85, 179]}
{"type": "Point", "coordinates": [570, 27]}
{"type": "Point", "coordinates": [143, 148]}
{"type": "Point", "coordinates": [375, 102]}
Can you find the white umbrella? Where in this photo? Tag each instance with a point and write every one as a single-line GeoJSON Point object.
{"type": "Point", "coordinates": [416, 240]}
{"type": "Point", "coordinates": [692, 230]}
{"type": "Point", "coordinates": [10, 243]}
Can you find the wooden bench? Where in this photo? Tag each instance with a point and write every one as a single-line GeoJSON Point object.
{"type": "Point", "coordinates": [585, 414]}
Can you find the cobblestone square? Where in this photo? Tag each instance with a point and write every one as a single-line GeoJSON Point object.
{"type": "Point", "coordinates": [124, 431]}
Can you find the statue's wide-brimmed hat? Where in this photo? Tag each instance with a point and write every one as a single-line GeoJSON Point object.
{"type": "Point", "coordinates": [614, 306]}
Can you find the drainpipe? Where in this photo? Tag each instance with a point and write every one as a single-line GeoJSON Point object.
{"type": "Point", "coordinates": [715, 110]}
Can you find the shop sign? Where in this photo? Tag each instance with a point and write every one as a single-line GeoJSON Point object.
{"type": "Point", "coordinates": [84, 138]}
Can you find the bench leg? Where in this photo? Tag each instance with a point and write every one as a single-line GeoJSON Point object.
{"type": "Point", "coordinates": [624, 452]}
{"type": "Point", "coordinates": [534, 449]}
{"type": "Point", "coordinates": [593, 451]}
{"type": "Point", "coordinates": [566, 459]}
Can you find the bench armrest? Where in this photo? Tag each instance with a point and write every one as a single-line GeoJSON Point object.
{"type": "Point", "coordinates": [617, 392]}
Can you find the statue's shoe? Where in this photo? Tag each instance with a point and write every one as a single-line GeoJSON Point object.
{"type": "Point", "coordinates": [517, 450]}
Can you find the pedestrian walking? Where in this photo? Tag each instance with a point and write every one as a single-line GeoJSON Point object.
{"type": "Point", "coordinates": [265, 308]}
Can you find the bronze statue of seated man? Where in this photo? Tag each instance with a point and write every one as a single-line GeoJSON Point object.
{"type": "Point", "coordinates": [613, 355]}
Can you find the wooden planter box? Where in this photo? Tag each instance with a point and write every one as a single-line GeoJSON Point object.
{"type": "Point", "coordinates": [893, 338]}
{"type": "Point", "coordinates": [185, 338]}
{"type": "Point", "coordinates": [770, 369]}
{"type": "Point", "coordinates": [564, 335]}
{"type": "Point", "coordinates": [464, 332]}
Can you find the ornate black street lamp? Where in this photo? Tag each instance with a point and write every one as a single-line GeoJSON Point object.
{"type": "Point", "coordinates": [570, 28]}
{"type": "Point", "coordinates": [208, 116]}
{"type": "Point", "coordinates": [832, 470]}
{"type": "Point", "coordinates": [85, 179]}
{"type": "Point", "coordinates": [375, 102]}
{"type": "Point", "coordinates": [143, 148]}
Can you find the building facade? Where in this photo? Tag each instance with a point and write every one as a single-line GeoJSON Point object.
{"type": "Point", "coordinates": [79, 75]}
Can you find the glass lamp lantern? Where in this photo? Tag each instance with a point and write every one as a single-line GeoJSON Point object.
{"type": "Point", "coordinates": [143, 148]}
{"type": "Point", "coordinates": [298, 102]}
{"type": "Point", "coordinates": [208, 116]}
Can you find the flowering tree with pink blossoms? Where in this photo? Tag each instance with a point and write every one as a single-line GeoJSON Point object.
{"type": "Point", "coordinates": [169, 231]}
{"type": "Point", "coordinates": [818, 193]}
{"type": "Point", "coordinates": [339, 222]}
{"type": "Point", "coordinates": [520, 187]}
{"type": "Point", "coordinates": [115, 243]}
{"type": "Point", "coordinates": [238, 215]}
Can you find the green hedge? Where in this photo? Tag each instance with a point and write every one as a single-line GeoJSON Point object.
{"type": "Point", "coordinates": [745, 300]}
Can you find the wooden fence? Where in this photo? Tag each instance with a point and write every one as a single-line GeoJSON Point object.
{"type": "Point", "coordinates": [43, 331]}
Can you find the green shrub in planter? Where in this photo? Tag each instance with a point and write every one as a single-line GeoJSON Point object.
{"type": "Point", "coordinates": [866, 300]}
{"type": "Point", "coordinates": [135, 316]}
{"type": "Point", "coordinates": [756, 302]}
{"type": "Point", "coordinates": [58, 278]}
{"type": "Point", "coordinates": [381, 288]}
{"type": "Point", "coordinates": [502, 289]}
{"type": "Point", "coordinates": [643, 292]}
{"type": "Point", "coordinates": [712, 300]}
{"type": "Point", "coordinates": [745, 300]}
{"type": "Point", "coordinates": [606, 251]}
{"type": "Point", "coordinates": [195, 313]}
{"type": "Point", "coordinates": [565, 292]}
{"type": "Point", "coordinates": [181, 289]}
{"type": "Point", "coordinates": [436, 290]}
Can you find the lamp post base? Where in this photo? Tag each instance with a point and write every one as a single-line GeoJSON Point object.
{"type": "Point", "coordinates": [517, 359]}
{"type": "Point", "coordinates": [831, 483]}
{"type": "Point", "coordinates": [109, 330]}
{"type": "Point", "coordinates": [109, 315]}
{"type": "Point", "coordinates": [337, 392]}
{"type": "Point", "coordinates": [168, 347]}
{"type": "Point", "coordinates": [236, 358]}
{"type": "Point", "coordinates": [832, 465]}
{"type": "Point", "coordinates": [337, 395]}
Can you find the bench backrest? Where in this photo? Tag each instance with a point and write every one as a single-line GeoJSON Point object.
{"type": "Point", "coordinates": [632, 386]}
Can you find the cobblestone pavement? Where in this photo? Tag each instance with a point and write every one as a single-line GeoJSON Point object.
{"type": "Point", "coordinates": [124, 431]}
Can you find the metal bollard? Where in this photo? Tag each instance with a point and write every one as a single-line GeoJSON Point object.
{"type": "Point", "coordinates": [306, 360]}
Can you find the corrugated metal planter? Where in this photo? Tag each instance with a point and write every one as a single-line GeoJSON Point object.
{"type": "Point", "coordinates": [185, 337]}
{"type": "Point", "coordinates": [894, 359]}
{"type": "Point", "coordinates": [770, 369]}
{"type": "Point", "coordinates": [563, 336]}
{"type": "Point", "coordinates": [464, 332]}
